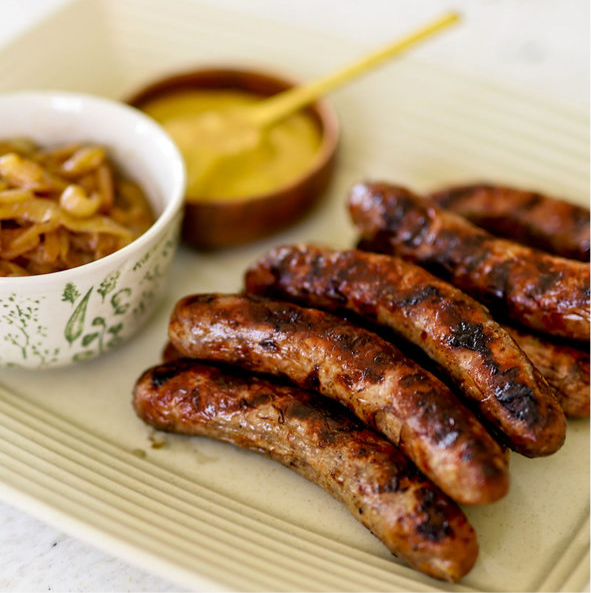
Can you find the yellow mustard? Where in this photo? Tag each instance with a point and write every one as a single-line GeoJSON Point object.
{"type": "Point", "coordinates": [285, 151]}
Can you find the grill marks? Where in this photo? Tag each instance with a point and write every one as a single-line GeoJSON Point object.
{"type": "Point", "coordinates": [370, 376]}
{"type": "Point", "coordinates": [424, 293]}
{"type": "Point", "coordinates": [533, 219]}
{"type": "Point", "coordinates": [565, 367]}
{"type": "Point", "coordinates": [319, 440]}
{"type": "Point", "coordinates": [517, 398]}
{"type": "Point", "coordinates": [436, 527]}
{"type": "Point", "coordinates": [454, 330]}
{"type": "Point", "coordinates": [470, 336]}
{"type": "Point", "coordinates": [541, 291]}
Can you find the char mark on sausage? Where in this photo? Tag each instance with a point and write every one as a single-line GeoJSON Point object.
{"type": "Point", "coordinates": [530, 218]}
{"type": "Point", "coordinates": [389, 392]}
{"type": "Point", "coordinates": [323, 443]}
{"type": "Point", "coordinates": [453, 329]}
{"type": "Point", "coordinates": [535, 289]}
{"type": "Point", "coordinates": [565, 367]}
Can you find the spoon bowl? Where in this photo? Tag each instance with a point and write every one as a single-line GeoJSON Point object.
{"type": "Point", "coordinates": [229, 136]}
{"type": "Point", "coordinates": [213, 224]}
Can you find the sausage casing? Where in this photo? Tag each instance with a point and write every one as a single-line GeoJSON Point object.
{"type": "Point", "coordinates": [565, 367]}
{"type": "Point", "coordinates": [320, 441]}
{"type": "Point", "coordinates": [547, 223]}
{"type": "Point", "coordinates": [387, 391]}
{"type": "Point", "coordinates": [453, 329]}
{"type": "Point", "coordinates": [538, 290]}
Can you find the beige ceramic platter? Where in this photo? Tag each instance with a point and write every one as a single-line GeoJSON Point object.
{"type": "Point", "coordinates": [204, 514]}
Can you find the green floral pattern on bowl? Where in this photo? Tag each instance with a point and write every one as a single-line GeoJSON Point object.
{"type": "Point", "coordinates": [22, 333]}
{"type": "Point", "coordinates": [95, 318]}
{"type": "Point", "coordinates": [59, 319]}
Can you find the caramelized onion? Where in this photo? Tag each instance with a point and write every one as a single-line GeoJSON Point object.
{"type": "Point", "coordinates": [64, 206]}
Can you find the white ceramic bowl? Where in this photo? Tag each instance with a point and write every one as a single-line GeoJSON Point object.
{"type": "Point", "coordinates": [60, 318]}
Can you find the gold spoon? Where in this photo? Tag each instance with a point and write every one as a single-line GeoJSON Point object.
{"type": "Point", "coordinates": [213, 136]}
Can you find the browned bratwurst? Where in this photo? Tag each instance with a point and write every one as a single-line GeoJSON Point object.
{"type": "Point", "coordinates": [449, 326]}
{"type": "Point", "coordinates": [387, 391]}
{"type": "Point", "coordinates": [564, 367]}
{"type": "Point", "coordinates": [320, 441]}
{"type": "Point", "coordinates": [541, 291]}
{"type": "Point", "coordinates": [556, 226]}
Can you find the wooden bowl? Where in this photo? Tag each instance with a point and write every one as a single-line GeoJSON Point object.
{"type": "Point", "coordinates": [223, 223]}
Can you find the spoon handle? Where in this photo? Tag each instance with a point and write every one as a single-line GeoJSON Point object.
{"type": "Point", "coordinates": [281, 105]}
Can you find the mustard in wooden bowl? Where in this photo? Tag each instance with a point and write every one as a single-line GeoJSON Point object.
{"type": "Point", "coordinates": [255, 192]}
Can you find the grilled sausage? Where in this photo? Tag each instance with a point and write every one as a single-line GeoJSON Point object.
{"type": "Point", "coordinates": [322, 352]}
{"type": "Point", "coordinates": [320, 441]}
{"type": "Point", "coordinates": [454, 330]}
{"type": "Point", "coordinates": [564, 367]}
{"type": "Point", "coordinates": [541, 291]}
{"type": "Point", "coordinates": [556, 226]}
{"type": "Point", "coordinates": [170, 353]}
